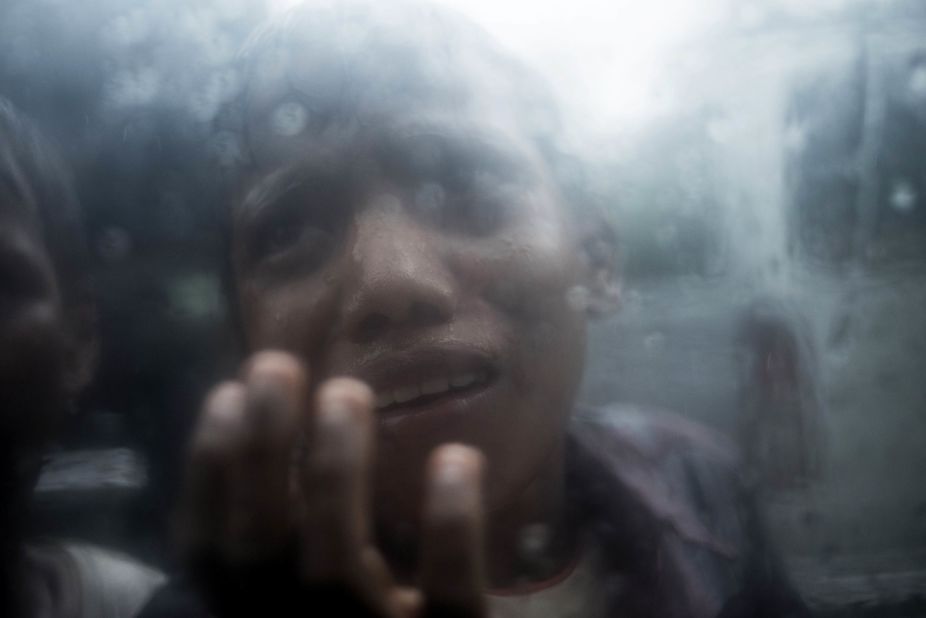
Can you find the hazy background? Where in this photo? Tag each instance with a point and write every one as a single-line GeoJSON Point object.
{"type": "Point", "coordinates": [748, 151]}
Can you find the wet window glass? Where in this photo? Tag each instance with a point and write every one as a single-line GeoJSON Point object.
{"type": "Point", "coordinates": [442, 308]}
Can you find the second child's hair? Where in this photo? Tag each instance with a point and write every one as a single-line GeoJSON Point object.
{"type": "Point", "coordinates": [33, 169]}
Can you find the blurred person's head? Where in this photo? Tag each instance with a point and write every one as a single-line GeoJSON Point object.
{"type": "Point", "coordinates": [404, 216]}
{"type": "Point", "coordinates": [46, 313]}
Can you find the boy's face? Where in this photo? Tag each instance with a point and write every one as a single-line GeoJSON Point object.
{"type": "Point", "coordinates": [32, 332]}
{"type": "Point", "coordinates": [424, 252]}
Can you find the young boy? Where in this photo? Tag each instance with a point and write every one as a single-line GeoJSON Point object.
{"type": "Point", "coordinates": [402, 219]}
{"type": "Point", "coordinates": [46, 357]}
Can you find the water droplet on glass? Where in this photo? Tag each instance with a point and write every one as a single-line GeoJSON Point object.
{"type": "Point", "coordinates": [289, 119]}
{"type": "Point", "coordinates": [903, 196]}
{"type": "Point", "coordinates": [795, 138]}
{"type": "Point", "coordinates": [534, 541]}
{"type": "Point", "coordinates": [917, 83]}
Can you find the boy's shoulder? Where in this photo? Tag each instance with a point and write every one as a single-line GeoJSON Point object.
{"type": "Point", "coordinates": [671, 501]}
{"type": "Point", "coordinates": [683, 473]}
{"type": "Point", "coordinates": [653, 433]}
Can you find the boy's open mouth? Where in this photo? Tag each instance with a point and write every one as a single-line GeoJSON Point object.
{"type": "Point", "coordinates": [421, 378]}
{"type": "Point", "coordinates": [432, 390]}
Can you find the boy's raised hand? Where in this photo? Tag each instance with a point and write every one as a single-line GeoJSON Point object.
{"type": "Point", "coordinates": [270, 533]}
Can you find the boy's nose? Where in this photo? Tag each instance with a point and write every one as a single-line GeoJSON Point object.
{"type": "Point", "coordinates": [399, 279]}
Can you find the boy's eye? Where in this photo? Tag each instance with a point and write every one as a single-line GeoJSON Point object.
{"type": "Point", "coordinates": [291, 246]}
{"type": "Point", "coordinates": [278, 237]}
{"type": "Point", "coordinates": [296, 235]}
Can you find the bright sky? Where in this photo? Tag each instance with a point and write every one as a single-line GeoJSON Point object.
{"type": "Point", "coordinates": [605, 55]}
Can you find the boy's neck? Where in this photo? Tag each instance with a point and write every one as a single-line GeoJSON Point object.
{"type": "Point", "coordinates": [533, 538]}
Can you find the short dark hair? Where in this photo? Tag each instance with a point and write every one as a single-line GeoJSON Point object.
{"type": "Point", "coordinates": [37, 171]}
{"type": "Point", "coordinates": [373, 54]}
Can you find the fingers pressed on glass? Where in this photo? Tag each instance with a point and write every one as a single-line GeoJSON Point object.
{"type": "Point", "coordinates": [216, 441]}
{"type": "Point", "coordinates": [452, 534]}
{"type": "Point", "coordinates": [260, 515]}
{"type": "Point", "coordinates": [336, 482]}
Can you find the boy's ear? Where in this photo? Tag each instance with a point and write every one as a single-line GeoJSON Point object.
{"type": "Point", "coordinates": [598, 243]}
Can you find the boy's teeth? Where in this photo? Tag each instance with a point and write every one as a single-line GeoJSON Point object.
{"type": "Point", "coordinates": [431, 387]}
{"type": "Point", "coordinates": [462, 380]}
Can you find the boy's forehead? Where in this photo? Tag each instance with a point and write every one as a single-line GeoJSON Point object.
{"type": "Point", "coordinates": [287, 135]}
{"type": "Point", "coordinates": [418, 152]}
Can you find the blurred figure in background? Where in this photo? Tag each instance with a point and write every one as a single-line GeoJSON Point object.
{"type": "Point", "coordinates": [47, 356]}
{"type": "Point", "coordinates": [780, 428]}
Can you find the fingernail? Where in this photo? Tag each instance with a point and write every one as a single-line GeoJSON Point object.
{"type": "Point", "coordinates": [277, 366]}
{"type": "Point", "coordinates": [345, 392]}
{"type": "Point", "coordinates": [223, 414]}
{"type": "Point", "coordinates": [454, 480]}
{"type": "Point", "coordinates": [334, 420]}
{"type": "Point", "coordinates": [451, 472]}
{"type": "Point", "coordinates": [455, 463]}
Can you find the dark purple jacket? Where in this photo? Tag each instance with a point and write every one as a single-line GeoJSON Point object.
{"type": "Point", "coordinates": [681, 533]}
